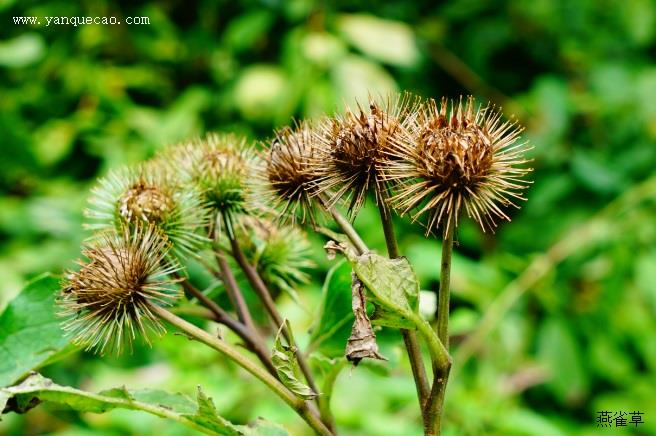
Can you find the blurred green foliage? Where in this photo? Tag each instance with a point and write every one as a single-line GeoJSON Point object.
{"type": "Point", "coordinates": [76, 101]}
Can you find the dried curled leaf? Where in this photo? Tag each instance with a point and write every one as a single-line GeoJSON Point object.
{"type": "Point", "coordinates": [362, 343]}
{"type": "Point", "coordinates": [284, 360]}
{"type": "Point", "coordinates": [332, 248]}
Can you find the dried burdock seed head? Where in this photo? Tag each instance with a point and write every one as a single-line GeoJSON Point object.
{"type": "Point", "coordinates": [221, 166]}
{"type": "Point", "coordinates": [107, 302]}
{"type": "Point", "coordinates": [351, 150]}
{"type": "Point", "coordinates": [288, 179]}
{"type": "Point", "coordinates": [461, 155]}
{"type": "Point", "coordinates": [281, 253]}
{"type": "Point", "coordinates": [150, 195]}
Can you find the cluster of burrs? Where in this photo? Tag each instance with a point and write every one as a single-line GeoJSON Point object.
{"type": "Point", "coordinates": [425, 158]}
{"type": "Point", "coordinates": [415, 156]}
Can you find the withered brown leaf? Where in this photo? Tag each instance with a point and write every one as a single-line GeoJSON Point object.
{"type": "Point", "coordinates": [362, 342]}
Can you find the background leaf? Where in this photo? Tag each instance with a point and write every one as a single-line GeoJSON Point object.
{"type": "Point", "coordinates": [386, 40]}
{"type": "Point", "coordinates": [559, 353]}
{"type": "Point", "coordinates": [335, 316]}
{"type": "Point", "coordinates": [30, 333]}
{"type": "Point", "coordinates": [579, 76]}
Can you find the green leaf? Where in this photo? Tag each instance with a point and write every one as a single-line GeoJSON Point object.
{"type": "Point", "coordinates": [330, 370]}
{"type": "Point", "coordinates": [595, 174]}
{"type": "Point", "coordinates": [355, 79]}
{"type": "Point", "coordinates": [30, 334]}
{"type": "Point", "coordinates": [394, 288]}
{"type": "Point", "coordinates": [261, 92]}
{"type": "Point", "coordinates": [559, 351]}
{"type": "Point", "coordinates": [200, 415]}
{"type": "Point", "coordinates": [333, 326]}
{"type": "Point", "coordinates": [54, 141]}
{"type": "Point", "coordinates": [284, 360]}
{"type": "Point", "coordinates": [22, 51]}
{"type": "Point", "coordinates": [244, 31]}
{"type": "Point", "coordinates": [388, 41]}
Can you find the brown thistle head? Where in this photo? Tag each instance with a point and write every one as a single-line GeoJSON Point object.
{"type": "Point", "coordinates": [460, 155]}
{"type": "Point", "coordinates": [288, 179]}
{"type": "Point", "coordinates": [351, 150]}
{"type": "Point", "coordinates": [107, 302]}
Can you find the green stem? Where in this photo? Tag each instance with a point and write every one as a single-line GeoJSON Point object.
{"type": "Point", "coordinates": [249, 336]}
{"type": "Point", "coordinates": [409, 336]}
{"type": "Point", "coordinates": [229, 351]}
{"type": "Point", "coordinates": [445, 285]}
{"type": "Point", "coordinates": [435, 406]}
{"type": "Point", "coordinates": [194, 310]}
{"type": "Point", "coordinates": [346, 227]}
{"type": "Point", "coordinates": [441, 368]}
{"type": "Point", "coordinates": [228, 278]}
{"type": "Point", "coordinates": [265, 297]}
{"type": "Point", "coordinates": [234, 293]}
{"type": "Point", "coordinates": [388, 230]}
{"type": "Point", "coordinates": [439, 354]}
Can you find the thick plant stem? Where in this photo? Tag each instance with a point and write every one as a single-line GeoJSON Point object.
{"type": "Point", "coordinates": [444, 296]}
{"type": "Point", "coordinates": [432, 409]}
{"type": "Point", "coordinates": [229, 351]}
{"type": "Point", "coordinates": [249, 336]}
{"type": "Point", "coordinates": [409, 336]}
{"type": "Point", "coordinates": [441, 367]}
{"type": "Point", "coordinates": [265, 297]}
{"type": "Point", "coordinates": [435, 406]}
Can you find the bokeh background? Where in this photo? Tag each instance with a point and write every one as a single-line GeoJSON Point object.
{"type": "Point", "coordinates": [553, 316]}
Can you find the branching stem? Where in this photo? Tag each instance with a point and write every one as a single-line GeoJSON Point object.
{"type": "Point", "coordinates": [232, 288]}
{"type": "Point", "coordinates": [265, 297]}
{"type": "Point", "coordinates": [300, 406]}
{"type": "Point", "coordinates": [249, 336]}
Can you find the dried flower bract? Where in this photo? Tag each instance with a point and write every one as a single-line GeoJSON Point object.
{"type": "Point", "coordinates": [460, 155]}
{"type": "Point", "coordinates": [107, 302]}
{"type": "Point", "coordinates": [353, 148]}
{"type": "Point", "coordinates": [289, 180]}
